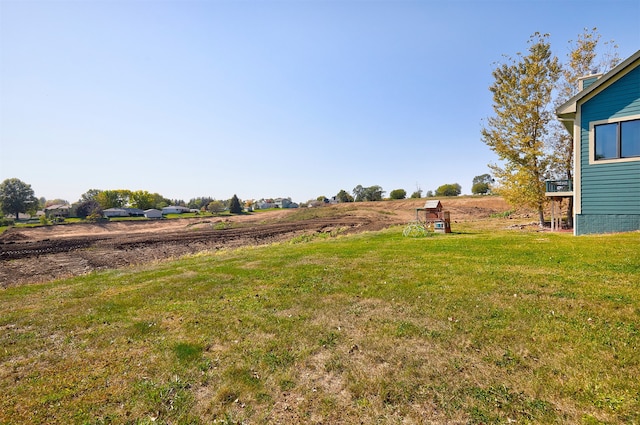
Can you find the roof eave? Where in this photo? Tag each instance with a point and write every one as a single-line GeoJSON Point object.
{"type": "Point", "coordinates": [570, 106]}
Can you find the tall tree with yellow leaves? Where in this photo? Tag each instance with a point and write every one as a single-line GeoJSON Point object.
{"type": "Point", "coordinates": [518, 131]}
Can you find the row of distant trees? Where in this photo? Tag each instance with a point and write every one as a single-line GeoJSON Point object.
{"type": "Point", "coordinates": [481, 185]}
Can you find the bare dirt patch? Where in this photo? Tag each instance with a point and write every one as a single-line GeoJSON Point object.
{"type": "Point", "coordinates": [30, 255]}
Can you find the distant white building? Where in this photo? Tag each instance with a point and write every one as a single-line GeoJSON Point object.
{"type": "Point", "coordinates": [264, 205]}
{"type": "Point", "coordinates": [285, 203]}
{"type": "Point", "coordinates": [175, 209]}
{"type": "Point", "coordinates": [115, 212]}
{"type": "Point", "coordinates": [134, 212]}
{"type": "Point", "coordinates": [275, 203]}
{"type": "Point", "coordinates": [153, 213]}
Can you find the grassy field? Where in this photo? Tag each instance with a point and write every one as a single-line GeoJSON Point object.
{"type": "Point", "coordinates": [473, 327]}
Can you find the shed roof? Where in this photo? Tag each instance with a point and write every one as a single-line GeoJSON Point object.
{"type": "Point", "coordinates": [58, 207]}
{"type": "Point", "coordinates": [433, 203]}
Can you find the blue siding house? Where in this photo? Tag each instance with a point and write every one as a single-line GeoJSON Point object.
{"type": "Point", "coordinates": [604, 119]}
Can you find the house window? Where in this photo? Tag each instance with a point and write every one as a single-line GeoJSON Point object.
{"type": "Point", "coordinates": [617, 140]}
{"type": "Point", "coordinates": [630, 138]}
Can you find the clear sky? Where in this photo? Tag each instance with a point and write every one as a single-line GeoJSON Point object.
{"type": "Point", "coordinates": [264, 98]}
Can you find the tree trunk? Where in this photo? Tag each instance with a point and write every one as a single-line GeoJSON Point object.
{"type": "Point", "coordinates": [570, 213]}
{"type": "Point", "coordinates": [541, 217]}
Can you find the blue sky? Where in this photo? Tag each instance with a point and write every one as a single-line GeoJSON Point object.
{"type": "Point", "coordinates": [264, 98]}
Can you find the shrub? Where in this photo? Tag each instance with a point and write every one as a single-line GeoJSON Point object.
{"type": "Point", "coordinates": [398, 194]}
{"type": "Point", "coordinates": [449, 190]}
{"type": "Point", "coordinates": [94, 217]}
{"type": "Point", "coordinates": [4, 221]}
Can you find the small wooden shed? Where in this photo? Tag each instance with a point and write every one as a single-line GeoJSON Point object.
{"type": "Point", "coordinates": [432, 213]}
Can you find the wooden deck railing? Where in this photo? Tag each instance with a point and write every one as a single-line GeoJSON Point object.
{"type": "Point", "coordinates": [559, 186]}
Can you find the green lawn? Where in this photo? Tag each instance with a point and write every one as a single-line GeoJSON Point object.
{"type": "Point", "coordinates": [472, 327]}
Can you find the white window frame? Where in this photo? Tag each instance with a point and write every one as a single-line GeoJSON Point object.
{"type": "Point", "coordinates": [592, 141]}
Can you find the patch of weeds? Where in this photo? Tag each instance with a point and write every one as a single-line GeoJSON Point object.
{"type": "Point", "coordinates": [187, 352]}
{"type": "Point", "coordinates": [228, 419]}
{"type": "Point", "coordinates": [407, 330]}
{"type": "Point", "coordinates": [263, 397]}
{"type": "Point", "coordinates": [356, 310]}
{"type": "Point", "coordinates": [590, 420]}
{"type": "Point", "coordinates": [395, 393]}
{"type": "Point", "coordinates": [111, 310]}
{"type": "Point", "coordinates": [170, 400]}
{"type": "Point", "coordinates": [481, 416]}
{"type": "Point", "coordinates": [106, 420]}
{"type": "Point", "coordinates": [307, 237]}
{"type": "Point", "coordinates": [330, 340]}
{"type": "Point", "coordinates": [286, 384]}
{"type": "Point", "coordinates": [508, 360]}
{"type": "Point", "coordinates": [227, 395]}
{"type": "Point", "coordinates": [243, 377]}
{"type": "Point", "coordinates": [222, 225]}
{"type": "Point", "coordinates": [605, 400]}
{"type": "Point", "coordinates": [505, 214]}
{"type": "Point", "coordinates": [458, 364]}
{"type": "Point", "coordinates": [56, 396]}
{"type": "Point", "coordinates": [497, 319]}
{"type": "Point", "coordinates": [205, 365]}
{"type": "Point", "coordinates": [363, 402]}
{"type": "Point", "coordinates": [328, 403]}
{"type": "Point", "coordinates": [564, 294]}
{"type": "Point", "coordinates": [278, 360]}
{"type": "Point", "coordinates": [617, 298]}
{"type": "Point", "coordinates": [499, 402]}
{"type": "Point", "coordinates": [310, 237]}
{"type": "Point", "coordinates": [142, 329]}
{"type": "Point", "coordinates": [335, 364]}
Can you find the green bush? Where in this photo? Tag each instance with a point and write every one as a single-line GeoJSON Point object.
{"type": "Point", "coordinates": [4, 221]}
{"type": "Point", "coordinates": [398, 194]}
{"type": "Point", "coordinates": [449, 190]}
{"type": "Point", "coordinates": [94, 217]}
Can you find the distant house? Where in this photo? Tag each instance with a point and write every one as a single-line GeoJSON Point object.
{"type": "Point", "coordinates": [59, 210]}
{"type": "Point", "coordinates": [275, 203]}
{"type": "Point", "coordinates": [175, 209]}
{"type": "Point", "coordinates": [115, 212]}
{"type": "Point", "coordinates": [604, 120]}
{"type": "Point", "coordinates": [264, 205]}
{"type": "Point", "coordinates": [153, 213]}
{"type": "Point", "coordinates": [285, 203]}
{"type": "Point", "coordinates": [134, 212]}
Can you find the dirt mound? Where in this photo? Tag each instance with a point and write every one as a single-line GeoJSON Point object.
{"type": "Point", "coordinates": [12, 235]}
